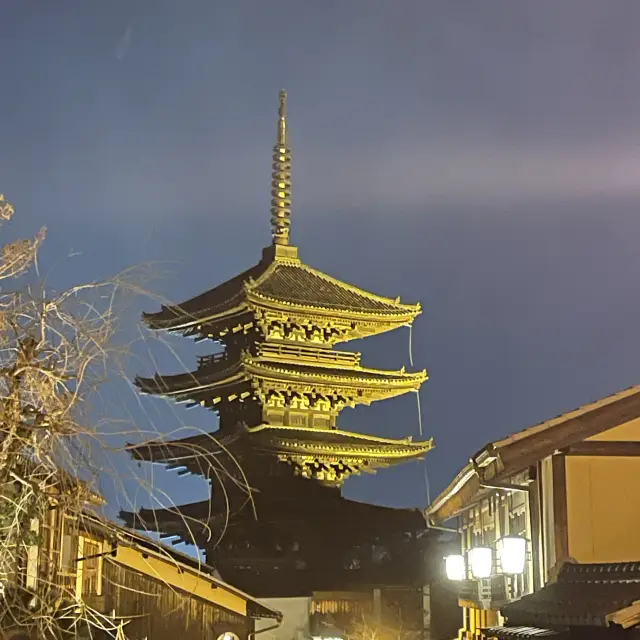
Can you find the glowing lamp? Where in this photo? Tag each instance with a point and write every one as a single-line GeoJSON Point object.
{"type": "Point", "coordinates": [512, 553]}
{"type": "Point", "coordinates": [455, 568]}
{"type": "Point", "coordinates": [481, 562]}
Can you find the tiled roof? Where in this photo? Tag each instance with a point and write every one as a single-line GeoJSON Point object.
{"type": "Point", "coordinates": [221, 371]}
{"type": "Point", "coordinates": [336, 436]}
{"type": "Point", "coordinates": [339, 372]}
{"type": "Point", "coordinates": [208, 375]}
{"type": "Point", "coordinates": [216, 300]}
{"type": "Point", "coordinates": [584, 595]}
{"type": "Point", "coordinates": [526, 447]}
{"type": "Point", "coordinates": [266, 435]}
{"type": "Point", "coordinates": [302, 285]}
{"type": "Point", "coordinates": [288, 282]}
{"type": "Point", "coordinates": [600, 572]}
{"type": "Point", "coordinates": [281, 507]}
{"type": "Point", "coordinates": [94, 522]}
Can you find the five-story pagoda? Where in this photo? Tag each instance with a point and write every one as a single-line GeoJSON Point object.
{"type": "Point", "coordinates": [276, 520]}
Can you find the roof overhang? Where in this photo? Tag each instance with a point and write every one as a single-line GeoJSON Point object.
{"type": "Point", "coordinates": [499, 460]}
{"type": "Point", "coordinates": [177, 569]}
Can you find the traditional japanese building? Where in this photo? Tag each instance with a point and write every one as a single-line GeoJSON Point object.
{"type": "Point", "coordinates": [276, 520]}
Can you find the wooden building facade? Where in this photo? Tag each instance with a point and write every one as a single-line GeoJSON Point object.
{"type": "Point", "coordinates": [106, 577]}
{"type": "Point", "coordinates": [560, 485]}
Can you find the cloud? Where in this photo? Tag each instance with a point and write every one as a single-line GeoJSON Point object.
{"type": "Point", "coordinates": [408, 108]}
{"type": "Point", "coordinates": [123, 44]}
{"type": "Point", "coordinates": [390, 178]}
{"type": "Point", "coordinates": [400, 178]}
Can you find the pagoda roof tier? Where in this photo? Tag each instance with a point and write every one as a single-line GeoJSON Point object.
{"type": "Point", "coordinates": [201, 522]}
{"type": "Point", "coordinates": [228, 380]}
{"type": "Point", "coordinates": [282, 290]}
{"type": "Point", "coordinates": [329, 455]}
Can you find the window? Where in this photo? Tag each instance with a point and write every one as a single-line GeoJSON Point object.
{"type": "Point", "coordinates": [68, 552]}
{"type": "Point", "coordinates": [68, 546]}
{"type": "Point", "coordinates": [90, 571]}
{"type": "Point", "coordinates": [33, 556]}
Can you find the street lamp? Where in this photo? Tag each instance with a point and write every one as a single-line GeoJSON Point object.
{"type": "Point", "coordinates": [454, 567]}
{"type": "Point", "coordinates": [481, 562]}
{"type": "Point", "coordinates": [512, 553]}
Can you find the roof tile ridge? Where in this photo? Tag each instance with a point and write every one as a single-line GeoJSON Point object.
{"type": "Point", "coordinates": [362, 436]}
{"type": "Point", "coordinates": [402, 374]}
{"type": "Point", "coordinates": [253, 283]}
{"type": "Point", "coordinates": [177, 306]}
{"type": "Point", "coordinates": [234, 372]}
{"type": "Point", "coordinates": [253, 293]}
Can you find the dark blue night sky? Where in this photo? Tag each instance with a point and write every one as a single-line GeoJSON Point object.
{"type": "Point", "coordinates": [482, 158]}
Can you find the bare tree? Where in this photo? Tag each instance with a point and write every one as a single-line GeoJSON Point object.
{"type": "Point", "coordinates": [54, 352]}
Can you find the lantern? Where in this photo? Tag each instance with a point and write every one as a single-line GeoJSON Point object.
{"type": "Point", "coordinates": [512, 553]}
{"type": "Point", "coordinates": [455, 568]}
{"type": "Point", "coordinates": [481, 562]}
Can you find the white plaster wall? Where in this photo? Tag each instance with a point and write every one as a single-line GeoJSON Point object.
{"type": "Point", "coordinates": [295, 623]}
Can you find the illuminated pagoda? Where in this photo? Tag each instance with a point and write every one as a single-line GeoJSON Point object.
{"type": "Point", "coordinates": [278, 387]}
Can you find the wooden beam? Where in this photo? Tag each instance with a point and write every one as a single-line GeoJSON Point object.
{"type": "Point", "coordinates": [613, 448]}
{"type": "Point", "coordinates": [535, 526]}
{"type": "Point", "coordinates": [524, 452]}
{"type": "Point", "coordinates": [560, 517]}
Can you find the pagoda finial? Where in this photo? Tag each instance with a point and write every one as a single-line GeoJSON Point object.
{"type": "Point", "coordinates": [281, 180]}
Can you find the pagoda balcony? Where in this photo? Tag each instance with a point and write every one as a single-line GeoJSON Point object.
{"type": "Point", "coordinates": [287, 352]}
{"type": "Point", "coordinates": [283, 352]}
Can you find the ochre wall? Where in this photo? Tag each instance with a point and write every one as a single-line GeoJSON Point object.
{"type": "Point", "coordinates": [187, 580]}
{"type": "Point", "coordinates": [603, 516]}
{"type": "Point", "coordinates": [629, 431]}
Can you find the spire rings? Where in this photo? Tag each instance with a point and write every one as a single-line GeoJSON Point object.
{"type": "Point", "coordinates": [281, 180]}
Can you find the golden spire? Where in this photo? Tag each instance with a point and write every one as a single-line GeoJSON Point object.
{"type": "Point", "coordinates": [281, 180]}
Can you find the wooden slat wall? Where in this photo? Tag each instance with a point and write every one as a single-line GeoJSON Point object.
{"type": "Point", "coordinates": [162, 612]}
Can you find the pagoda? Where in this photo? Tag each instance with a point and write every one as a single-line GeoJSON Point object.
{"type": "Point", "coordinates": [277, 462]}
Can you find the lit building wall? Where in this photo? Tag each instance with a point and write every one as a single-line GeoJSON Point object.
{"type": "Point", "coordinates": [603, 518]}
{"type": "Point", "coordinates": [295, 620]}
{"type": "Point", "coordinates": [627, 432]}
{"type": "Point", "coordinates": [603, 521]}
